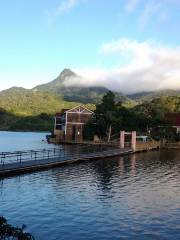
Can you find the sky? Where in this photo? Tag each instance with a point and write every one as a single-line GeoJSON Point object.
{"type": "Point", "coordinates": [125, 45]}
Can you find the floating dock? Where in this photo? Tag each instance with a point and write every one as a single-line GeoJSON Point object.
{"type": "Point", "coordinates": [15, 163]}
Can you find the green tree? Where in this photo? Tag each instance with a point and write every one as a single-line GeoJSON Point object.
{"type": "Point", "coordinates": [106, 120]}
{"type": "Point", "coordinates": [105, 115]}
{"type": "Point", "coordinates": [8, 232]}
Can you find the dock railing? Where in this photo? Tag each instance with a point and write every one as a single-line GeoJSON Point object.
{"type": "Point", "coordinates": [21, 158]}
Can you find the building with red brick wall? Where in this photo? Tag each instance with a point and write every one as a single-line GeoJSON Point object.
{"type": "Point", "coordinates": [69, 124]}
{"type": "Point", "coordinates": [174, 120]}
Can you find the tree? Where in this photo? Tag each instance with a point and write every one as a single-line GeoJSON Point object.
{"type": "Point", "coordinates": [111, 117]}
{"type": "Point", "coordinates": [105, 115]}
{"type": "Point", "coordinates": [105, 119]}
{"type": "Point", "coordinates": [8, 232]}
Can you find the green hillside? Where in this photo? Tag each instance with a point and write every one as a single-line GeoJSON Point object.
{"type": "Point", "coordinates": [153, 112]}
{"type": "Point", "coordinates": [163, 104]}
{"type": "Point", "coordinates": [24, 102]}
{"type": "Point", "coordinates": [41, 122]}
{"type": "Point", "coordinates": [148, 96]}
{"type": "Point", "coordinates": [72, 93]}
{"type": "Point", "coordinates": [22, 109]}
{"type": "Point", "coordinates": [62, 87]}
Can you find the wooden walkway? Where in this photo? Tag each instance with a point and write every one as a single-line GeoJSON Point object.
{"type": "Point", "coordinates": [147, 146]}
{"type": "Point", "coordinates": [14, 163]}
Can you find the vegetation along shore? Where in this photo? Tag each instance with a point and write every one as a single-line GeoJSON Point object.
{"type": "Point", "coordinates": [33, 109]}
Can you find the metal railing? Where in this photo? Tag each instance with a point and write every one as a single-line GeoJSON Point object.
{"type": "Point", "coordinates": [20, 156]}
{"type": "Point", "coordinates": [67, 152]}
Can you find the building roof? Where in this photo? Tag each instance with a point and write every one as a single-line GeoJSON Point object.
{"type": "Point", "coordinates": [77, 109]}
{"type": "Point", "coordinates": [173, 118]}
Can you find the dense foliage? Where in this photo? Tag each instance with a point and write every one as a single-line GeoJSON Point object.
{"type": "Point", "coordinates": [22, 109]}
{"type": "Point", "coordinates": [27, 102]}
{"type": "Point", "coordinates": [8, 232]}
{"type": "Point", "coordinates": [149, 96]}
{"type": "Point", "coordinates": [110, 117]}
{"type": "Point", "coordinates": [41, 122]}
{"type": "Point", "coordinates": [160, 106]}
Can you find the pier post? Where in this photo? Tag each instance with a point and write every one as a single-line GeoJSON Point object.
{"type": "Point", "coordinates": [133, 141]}
{"type": "Point", "coordinates": [122, 135]}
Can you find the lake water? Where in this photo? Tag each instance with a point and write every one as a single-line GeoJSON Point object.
{"type": "Point", "coordinates": [130, 197]}
{"type": "Point", "coordinates": [13, 141]}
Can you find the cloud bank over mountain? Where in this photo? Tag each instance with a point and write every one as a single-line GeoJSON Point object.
{"type": "Point", "coordinates": [149, 66]}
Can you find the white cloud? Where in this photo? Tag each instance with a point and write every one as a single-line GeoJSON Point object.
{"type": "Point", "coordinates": [151, 10]}
{"type": "Point", "coordinates": [63, 7]}
{"type": "Point", "coordinates": [131, 5]}
{"type": "Point", "coordinates": [151, 67]}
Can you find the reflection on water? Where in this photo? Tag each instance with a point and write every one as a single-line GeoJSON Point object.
{"type": "Point", "coordinates": [130, 197]}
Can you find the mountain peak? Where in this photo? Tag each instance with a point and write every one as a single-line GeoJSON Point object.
{"type": "Point", "coordinates": [14, 89]}
{"type": "Point", "coordinates": [67, 73]}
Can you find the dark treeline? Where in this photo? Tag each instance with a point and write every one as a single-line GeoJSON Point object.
{"type": "Point", "coordinates": [13, 122]}
{"type": "Point", "coordinates": [35, 112]}
{"type": "Point", "coordinates": [110, 117]}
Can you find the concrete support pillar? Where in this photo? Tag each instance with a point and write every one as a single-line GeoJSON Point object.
{"type": "Point", "coordinates": [133, 140]}
{"type": "Point", "coordinates": [54, 123]}
{"type": "Point", "coordinates": [122, 135]}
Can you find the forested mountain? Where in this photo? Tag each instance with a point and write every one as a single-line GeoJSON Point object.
{"type": "Point", "coordinates": [63, 87]}
{"type": "Point", "coordinates": [22, 109]}
{"type": "Point", "coordinates": [148, 96]}
{"type": "Point", "coordinates": [10, 121]}
{"type": "Point", "coordinates": [25, 102]}
{"type": "Point", "coordinates": [33, 109]}
{"type": "Point", "coordinates": [60, 86]}
{"type": "Point", "coordinates": [159, 106]}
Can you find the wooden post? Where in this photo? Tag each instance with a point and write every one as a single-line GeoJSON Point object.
{"type": "Point", "coordinates": [109, 133]}
{"type": "Point", "coordinates": [122, 134]}
{"type": "Point", "coordinates": [133, 141]}
{"type": "Point", "coordinates": [54, 123]}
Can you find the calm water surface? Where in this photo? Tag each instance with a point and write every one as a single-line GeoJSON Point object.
{"type": "Point", "coordinates": [131, 197]}
{"type": "Point", "coordinates": [13, 141]}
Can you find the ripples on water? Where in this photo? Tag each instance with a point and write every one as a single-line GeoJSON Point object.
{"type": "Point", "coordinates": [131, 197]}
